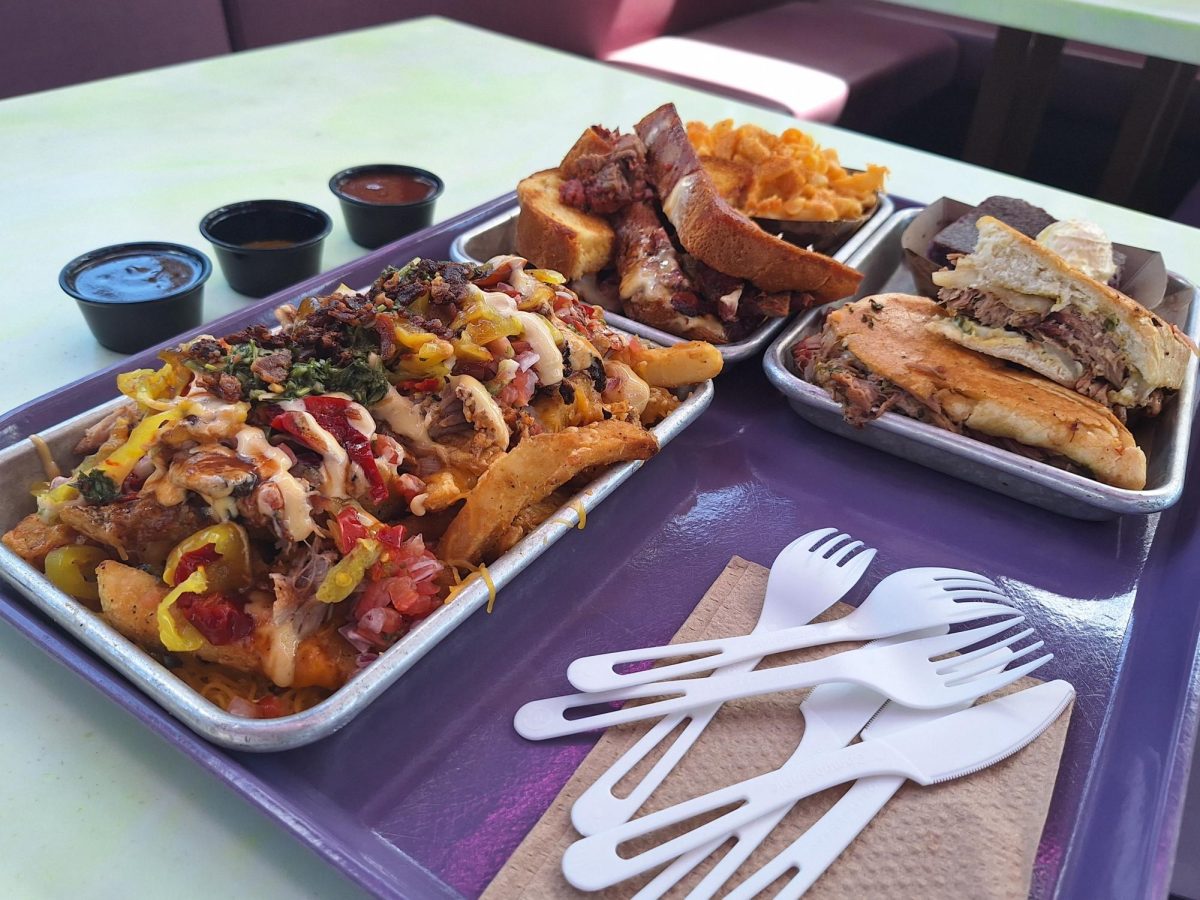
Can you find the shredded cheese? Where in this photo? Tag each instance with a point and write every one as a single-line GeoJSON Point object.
{"type": "Point", "coordinates": [460, 583]}
{"type": "Point", "coordinates": [491, 585]}
{"type": "Point", "coordinates": [580, 512]}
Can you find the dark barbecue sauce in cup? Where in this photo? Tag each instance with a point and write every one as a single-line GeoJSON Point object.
{"type": "Point", "coordinates": [136, 276]}
{"type": "Point", "coordinates": [390, 188]}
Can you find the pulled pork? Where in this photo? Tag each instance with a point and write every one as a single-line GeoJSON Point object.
{"type": "Point", "coordinates": [609, 177]}
{"type": "Point", "coordinates": [1084, 339]}
{"type": "Point", "coordinates": [864, 395]}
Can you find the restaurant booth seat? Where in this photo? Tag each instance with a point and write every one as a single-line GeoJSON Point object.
{"type": "Point", "coordinates": [1188, 211]}
{"type": "Point", "coordinates": [591, 28]}
{"type": "Point", "coordinates": [1090, 82]}
{"type": "Point", "coordinates": [53, 43]}
{"type": "Point", "coordinates": [811, 60]}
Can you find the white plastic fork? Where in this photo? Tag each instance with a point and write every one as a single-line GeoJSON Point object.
{"type": "Point", "coordinates": [809, 575]}
{"type": "Point", "coordinates": [905, 672]}
{"type": "Point", "coordinates": [905, 601]}
{"type": "Point", "coordinates": [833, 715]}
{"type": "Point", "coordinates": [595, 862]}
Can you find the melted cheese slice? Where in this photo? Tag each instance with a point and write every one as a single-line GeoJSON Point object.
{"type": "Point", "coordinates": [405, 418]}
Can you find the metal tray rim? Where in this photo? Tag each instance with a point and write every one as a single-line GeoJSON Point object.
{"type": "Point", "coordinates": [1100, 497]}
{"type": "Point", "coordinates": [285, 733]}
{"type": "Point", "coordinates": [733, 352]}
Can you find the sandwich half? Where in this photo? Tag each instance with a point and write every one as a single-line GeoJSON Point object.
{"type": "Point", "coordinates": [1016, 300]}
{"type": "Point", "coordinates": [636, 222]}
{"type": "Point", "coordinates": [883, 353]}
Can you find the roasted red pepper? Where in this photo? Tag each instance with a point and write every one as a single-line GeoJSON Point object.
{"type": "Point", "coordinates": [392, 537]}
{"type": "Point", "coordinates": [190, 562]}
{"type": "Point", "coordinates": [330, 414]}
{"type": "Point", "coordinates": [217, 616]}
{"type": "Point", "coordinates": [419, 385]}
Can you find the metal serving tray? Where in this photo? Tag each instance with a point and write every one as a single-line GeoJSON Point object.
{"type": "Point", "coordinates": [1165, 439]}
{"type": "Point", "coordinates": [498, 236]}
{"type": "Point", "coordinates": [20, 467]}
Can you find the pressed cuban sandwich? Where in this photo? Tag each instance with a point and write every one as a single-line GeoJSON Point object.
{"type": "Point", "coordinates": [1014, 299]}
{"type": "Point", "coordinates": [887, 353]}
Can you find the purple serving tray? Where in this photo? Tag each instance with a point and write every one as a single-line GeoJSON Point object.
{"type": "Point", "coordinates": [454, 789]}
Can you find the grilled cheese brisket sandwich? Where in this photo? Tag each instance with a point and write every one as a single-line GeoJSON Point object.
{"type": "Point", "coordinates": [685, 261]}
{"type": "Point", "coordinates": [1016, 300]}
{"type": "Point", "coordinates": [887, 353]}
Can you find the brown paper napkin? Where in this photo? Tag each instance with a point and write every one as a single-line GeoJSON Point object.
{"type": "Point", "coordinates": [972, 837]}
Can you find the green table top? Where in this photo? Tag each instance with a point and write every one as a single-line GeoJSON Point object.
{"type": "Point", "coordinates": [93, 804]}
{"type": "Point", "coordinates": [1165, 28]}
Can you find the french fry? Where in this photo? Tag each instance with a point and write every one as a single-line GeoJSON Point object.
{"type": "Point", "coordinates": [670, 367]}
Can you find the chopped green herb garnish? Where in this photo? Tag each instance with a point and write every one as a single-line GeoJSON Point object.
{"type": "Point", "coordinates": [96, 487]}
{"type": "Point", "coordinates": [362, 379]}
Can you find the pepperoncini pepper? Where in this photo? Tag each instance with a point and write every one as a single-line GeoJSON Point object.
{"type": "Point", "coordinates": [465, 348]}
{"type": "Point", "coordinates": [154, 389]}
{"type": "Point", "coordinates": [410, 339]}
{"type": "Point", "coordinates": [118, 464]}
{"type": "Point", "coordinates": [349, 571]}
{"type": "Point", "coordinates": [173, 635]}
{"type": "Point", "coordinates": [73, 570]}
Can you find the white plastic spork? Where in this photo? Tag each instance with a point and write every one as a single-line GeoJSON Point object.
{"type": "Point", "coordinates": [808, 576]}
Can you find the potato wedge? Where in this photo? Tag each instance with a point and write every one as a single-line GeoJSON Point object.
{"type": "Point", "coordinates": [531, 471]}
{"type": "Point", "coordinates": [31, 539]}
{"type": "Point", "coordinates": [129, 599]}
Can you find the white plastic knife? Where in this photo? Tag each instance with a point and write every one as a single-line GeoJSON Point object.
{"type": "Point", "coordinates": [950, 747]}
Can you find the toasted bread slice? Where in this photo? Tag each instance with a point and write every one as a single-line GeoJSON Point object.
{"type": "Point", "coordinates": [552, 235]}
{"type": "Point", "coordinates": [720, 236]}
{"type": "Point", "coordinates": [894, 337]}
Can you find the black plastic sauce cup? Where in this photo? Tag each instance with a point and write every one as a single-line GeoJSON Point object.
{"type": "Point", "coordinates": [265, 245]}
{"type": "Point", "coordinates": [139, 294]}
{"type": "Point", "coordinates": [375, 222]}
